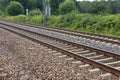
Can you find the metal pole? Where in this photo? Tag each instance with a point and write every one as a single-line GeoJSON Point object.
{"type": "Point", "coordinates": [46, 11]}
{"type": "Point", "coordinates": [26, 15]}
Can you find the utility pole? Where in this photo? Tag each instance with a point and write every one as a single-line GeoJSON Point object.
{"type": "Point", "coordinates": [46, 11]}
{"type": "Point", "coordinates": [26, 15]}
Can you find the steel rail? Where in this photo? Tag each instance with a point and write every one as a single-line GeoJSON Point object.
{"type": "Point", "coordinates": [76, 33]}
{"type": "Point", "coordinates": [90, 61]}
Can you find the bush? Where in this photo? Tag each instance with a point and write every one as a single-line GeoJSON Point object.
{"type": "Point", "coordinates": [1, 12]}
{"type": "Point", "coordinates": [37, 19]}
{"type": "Point", "coordinates": [14, 8]}
{"type": "Point", "coordinates": [35, 12]}
{"type": "Point", "coordinates": [21, 18]}
{"type": "Point", "coordinates": [67, 7]}
{"type": "Point", "coordinates": [102, 24]}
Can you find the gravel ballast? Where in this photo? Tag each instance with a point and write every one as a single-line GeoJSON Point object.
{"type": "Point", "coordinates": [79, 40]}
{"type": "Point", "coordinates": [22, 59]}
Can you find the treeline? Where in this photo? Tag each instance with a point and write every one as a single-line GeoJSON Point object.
{"type": "Point", "coordinates": [27, 4]}
{"type": "Point", "coordinates": [95, 7]}
{"type": "Point", "coordinates": [102, 6]}
{"type": "Point", "coordinates": [32, 5]}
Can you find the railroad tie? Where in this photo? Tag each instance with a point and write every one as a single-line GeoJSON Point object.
{"type": "Point", "coordinates": [115, 40]}
{"type": "Point", "coordinates": [71, 48]}
{"type": "Point", "coordinates": [94, 70]}
{"type": "Point", "coordinates": [105, 75]}
{"type": "Point", "coordinates": [106, 38]}
{"type": "Point", "coordinates": [67, 46]}
{"type": "Point", "coordinates": [85, 51]}
{"type": "Point", "coordinates": [61, 56]}
{"type": "Point", "coordinates": [84, 66]}
{"type": "Point", "coordinates": [49, 49]}
{"type": "Point", "coordinates": [117, 67]}
{"type": "Point", "coordinates": [76, 50]}
{"type": "Point", "coordinates": [45, 47]}
{"type": "Point", "coordinates": [97, 56]}
{"type": "Point", "coordinates": [31, 48]}
{"type": "Point", "coordinates": [77, 62]}
{"type": "Point", "coordinates": [110, 39]}
{"type": "Point", "coordinates": [52, 51]}
{"type": "Point", "coordinates": [94, 36]}
{"type": "Point", "coordinates": [97, 41]}
{"type": "Point", "coordinates": [69, 59]}
{"type": "Point", "coordinates": [1, 69]}
{"type": "Point", "coordinates": [114, 45]}
{"type": "Point", "coordinates": [106, 59]}
{"type": "Point", "coordinates": [58, 54]}
{"type": "Point", "coordinates": [3, 75]}
{"type": "Point", "coordinates": [88, 54]}
{"type": "Point", "coordinates": [103, 42]}
{"type": "Point", "coordinates": [108, 44]}
{"type": "Point", "coordinates": [116, 62]}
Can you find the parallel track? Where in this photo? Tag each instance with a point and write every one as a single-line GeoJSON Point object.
{"type": "Point", "coordinates": [104, 60]}
{"type": "Point", "coordinates": [92, 36]}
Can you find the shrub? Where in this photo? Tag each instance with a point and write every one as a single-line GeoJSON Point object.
{"type": "Point", "coordinates": [21, 18]}
{"type": "Point", "coordinates": [35, 12]}
{"type": "Point", "coordinates": [35, 19]}
{"type": "Point", "coordinates": [1, 13]}
{"type": "Point", "coordinates": [14, 8]}
{"type": "Point", "coordinates": [67, 7]}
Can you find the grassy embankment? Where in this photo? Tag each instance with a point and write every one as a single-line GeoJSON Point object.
{"type": "Point", "coordinates": [102, 24]}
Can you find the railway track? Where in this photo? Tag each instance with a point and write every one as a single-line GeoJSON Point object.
{"type": "Point", "coordinates": [87, 56]}
{"type": "Point", "coordinates": [107, 43]}
{"type": "Point", "coordinates": [91, 36]}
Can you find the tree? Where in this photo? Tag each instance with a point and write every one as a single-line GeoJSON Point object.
{"type": "Point", "coordinates": [67, 7]}
{"type": "Point", "coordinates": [39, 4]}
{"type": "Point", "coordinates": [113, 6]}
{"type": "Point", "coordinates": [84, 6]}
{"type": "Point", "coordinates": [31, 4]}
{"type": "Point", "coordinates": [14, 8]}
{"type": "Point", "coordinates": [3, 4]}
{"type": "Point", "coordinates": [97, 7]}
{"type": "Point", "coordinates": [77, 5]}
{"type": "Point", "coordinates": [25, 3]}
{"type": "Point", "coordinates": [54, 4]}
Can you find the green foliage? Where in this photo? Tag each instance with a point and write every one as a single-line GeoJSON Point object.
{"type": "Point", "coordinates": [14, 8]}
{"type": "Point", "coordinates": [1, 12]}
{"type": "Point", "coordinates": [35, 12]}
{"type": "Point", "coordinates": [4, 4]}
{"type": "Point", "coordinates": [21, 18]}
{"type": "Point", "coordinates": [67, 7]}
{"type": "Point", "coordinates": [102, 24]}
{"type": "Point", "coordinates": [54, 4]}
{"type": "Point", "coordinates": [97, 7]}
{"type": "Point", "coordinates": [37, 19]}
{"type": "Point", "coordinates": [31, 4]}
{"type": "Point", "coordinates": [53, 20]}
{"type": "Point", "coordinates": [100, 6]}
